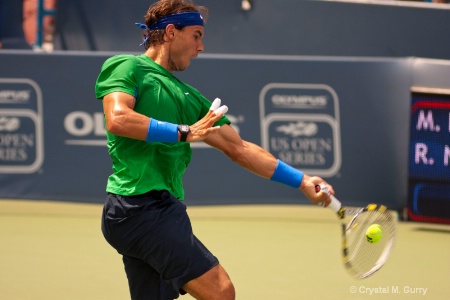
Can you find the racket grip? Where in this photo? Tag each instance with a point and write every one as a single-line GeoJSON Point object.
{"type": "Point", "coordinates": [335, 204]}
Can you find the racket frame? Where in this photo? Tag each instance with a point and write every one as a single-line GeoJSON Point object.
{"type": "Point", "coordinates": [342, 212]}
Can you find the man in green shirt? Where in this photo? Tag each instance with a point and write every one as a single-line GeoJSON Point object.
{"type": "Point", "coordinates": [151, 119]}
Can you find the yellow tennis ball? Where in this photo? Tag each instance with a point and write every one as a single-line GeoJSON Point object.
{"type": "Point", "coordinates": [374, 233]}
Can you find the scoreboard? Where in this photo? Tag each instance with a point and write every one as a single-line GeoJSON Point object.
{"type": "Point", "coordinates": [429, 156]}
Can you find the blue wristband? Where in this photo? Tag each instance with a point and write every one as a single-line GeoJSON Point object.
{"type": "Point", "coordinates": [163, 132]}
{"type": "Point", "coordinates": [288, 175]}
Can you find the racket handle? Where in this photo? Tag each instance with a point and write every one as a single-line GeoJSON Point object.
{"type": "Point", "coordinates": [335, 204]}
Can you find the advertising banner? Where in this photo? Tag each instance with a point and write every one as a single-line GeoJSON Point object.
{"type": "Point", "coordinates": [344, 119]}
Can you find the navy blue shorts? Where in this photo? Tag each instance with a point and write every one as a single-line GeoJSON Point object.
{"type": "Point", "coordinates": [154, 234]}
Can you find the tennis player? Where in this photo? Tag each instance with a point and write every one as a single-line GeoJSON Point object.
{"type": "Point", "coordinates": [151, 119]}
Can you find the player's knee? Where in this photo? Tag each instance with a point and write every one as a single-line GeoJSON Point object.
{"type": "Point", "coordinates": [229, 291]}
{"type": "Point", "coordinates": [213, 285]}
{"type": "Point", "coordinates": [224, 290]}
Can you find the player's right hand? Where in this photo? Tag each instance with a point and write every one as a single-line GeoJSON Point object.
{"type": "Point", "coordinates": [308, 187]}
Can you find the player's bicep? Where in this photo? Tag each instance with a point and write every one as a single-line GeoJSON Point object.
{"type": "Point", "coordinates": [117, 106]}
{"type": "Point", "coordinates": [117, 101]}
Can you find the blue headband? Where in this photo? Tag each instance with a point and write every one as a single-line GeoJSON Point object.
{"type": "Point", "coordinates": [181, 19]}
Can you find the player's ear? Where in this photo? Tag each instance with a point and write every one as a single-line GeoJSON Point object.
{"type": "Point", "coordinates": [170, 31]}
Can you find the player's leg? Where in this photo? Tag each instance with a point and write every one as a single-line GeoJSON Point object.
{"type": "Point", "coordinates": [144, 282]}
{"type": "Point", "coordinates": [157, 230]}
{"type": "Point", "coordinates": [214, 284]}
{"type": "Point", "coordinates": [123, 226]}
{"type": "Point", "coordinates": [183, 261]}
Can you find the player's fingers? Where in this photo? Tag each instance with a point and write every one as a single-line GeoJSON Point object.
{"type": "Point", "coordinates": [221, 110]}
{"type": "Point", "coordinates": [323, 195]}
{"type": "Point", "coordinates": [208, 120]}
{"type": "Point", "coordinates": [201, 130]}
{"type": "Point", "coordinates": [216, 108]}
{"type": "Point", "coordinates": [327, 201]}
{"type": "Point", "coordinates": [330, 188]}
{"type": "Point", "coordinates": [213, 129]}
{"type": "Point", "coordinates": [324, 199]}
{"type": "Point", "coordinates": [215, 105]}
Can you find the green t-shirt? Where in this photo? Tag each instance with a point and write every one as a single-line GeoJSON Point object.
{"type": "Point", "coordinates": [138, 166]}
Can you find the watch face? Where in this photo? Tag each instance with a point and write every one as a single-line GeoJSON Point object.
{"type": "Point", "coordinates": [184, 131]}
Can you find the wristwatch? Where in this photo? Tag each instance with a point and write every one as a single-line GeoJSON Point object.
{"type": "Point", "coordinates": [184, 131]}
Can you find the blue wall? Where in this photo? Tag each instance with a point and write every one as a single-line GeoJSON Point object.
{"type": "Point", "coordinates": [276, 27]}
{"type": "Point", "coordinates": [52, 139]}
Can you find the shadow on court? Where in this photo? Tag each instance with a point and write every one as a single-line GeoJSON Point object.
{"type": "Point", "coordinates": [55, 250]}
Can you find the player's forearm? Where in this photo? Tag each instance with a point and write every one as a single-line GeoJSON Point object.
{"type": "Point", "coordinates": [120, 117]}
{"type": "Point", "coordinates": [128, 125]}
{"type": "Point", "coordinates": [255, 159]}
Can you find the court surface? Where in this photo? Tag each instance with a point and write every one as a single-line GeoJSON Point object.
{"type": "Point", "coordinates": [55, 250]}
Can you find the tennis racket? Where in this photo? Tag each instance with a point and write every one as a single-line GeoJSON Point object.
{"type": "Point", "coordinates": [362, 258]}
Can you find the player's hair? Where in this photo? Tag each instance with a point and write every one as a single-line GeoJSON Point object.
{"type": "Point", "coordinates": [163, 8]}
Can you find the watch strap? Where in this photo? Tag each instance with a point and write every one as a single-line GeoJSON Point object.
{"type": "Point", "coordinates": [184, 131]}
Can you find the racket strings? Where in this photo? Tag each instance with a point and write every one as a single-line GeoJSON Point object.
{"type": "Point", "coordinates": [361, 257]}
